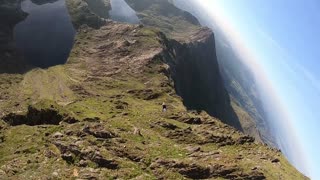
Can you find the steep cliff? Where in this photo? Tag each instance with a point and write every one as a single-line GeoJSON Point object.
{"type": "Point", "coordinates": [238, 78]}
{"type": "Point", "coordinates": [195, 67]}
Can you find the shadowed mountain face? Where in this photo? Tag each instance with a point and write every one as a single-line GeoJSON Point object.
{"type": "Point", "coordinates": [45, 37]}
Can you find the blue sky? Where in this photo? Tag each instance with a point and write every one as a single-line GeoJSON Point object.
{"type": "Point", "coordinates": [282, 40]}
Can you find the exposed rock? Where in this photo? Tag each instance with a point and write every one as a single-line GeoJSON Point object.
{"type": "Point", "coordinates": [145, 94]}
{"type": "Point", "coordinates": [192, 149]}
{"type": "Point", "coordinates": [194, 82]}
{"type": "Point", "coordinates": [55, 174]}
{"type": "Point", "coordinates": [38, 116]}
{"type": "Point", "coordinates": [70, 120]}
{"type": "Point", "coordinates": [137, 131]}
{"type": "Point", "coordinates": [196, 171]}
{"type": "Point", "coordinates": [102, 162]}
{"type": "Point", "coordinates": [95, 119]}
{"type": "Point", "coordinates": [190, 120]}
{"type": "Point", "coordinates": [99, 131]}
{"type": "Point", "coordinates": [121, 105]}
{"type": "Point", "coordinates": [70, 151]}
{"type": "Point", "coordinates": [2, 138]}
{"type": "Point", "coordinates": [183, 135]}
{"type": "Point", "coordinates": [158, 13]}
{"type": "Point", "coordinates": [245, 139]}
{"type": "Point", "coordinates": [80, 91]}
{"type": "Point", "coordinates": [131, 154]}
{"type": "Point", "coordinates": [57, 135]}
{"type": "Point", "coordinates": [67, 157]}
{"type": "Point", "coordinates": [221, 140]}
{"type": "Point", "coordinates": [276, 160]}
{"type": "Point", "coordinates": [49, 154]}
{"type": "Point", "coordinates": [166, 125]}
{"type": "Point", "coordinates": [67, 148]}
{"type": "Point", "coordinates": [83, 163]}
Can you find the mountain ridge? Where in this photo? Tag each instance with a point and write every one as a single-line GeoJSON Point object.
{"type": "Point", "coordinates": [96, 116]}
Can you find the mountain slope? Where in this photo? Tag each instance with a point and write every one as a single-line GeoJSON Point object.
{"type": "Point", "coordinates": [198, 80]}
{"type": "Point", "coordinates": [99, 116]}
{"type": "Point", "coordinates": [238, 78]}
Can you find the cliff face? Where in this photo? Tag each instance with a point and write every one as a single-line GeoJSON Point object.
{"type": "Point", "coordinates": [238, 80]}
{"type": "Point", "coordinates": [196, 76]}
{"type": "Point", "coordinates": [194, 67]}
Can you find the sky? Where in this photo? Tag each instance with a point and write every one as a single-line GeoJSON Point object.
{"type": "Point", "coordinates": [279, 41]}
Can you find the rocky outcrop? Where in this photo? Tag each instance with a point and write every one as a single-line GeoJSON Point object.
{"type": "Point", "coordinates": [99, 131]}
{"type": "Point", "coordinates": [38, 116]}
{"type": "Point", "coordinates": [88, 12]}
{"type": "Point", "coordinates": [196, 171]}
{"type": "Point", "coordinates": [146, 94]}
{"type": "Point", "coordinates": [164, 15]}
{"type": "Point", "coordinates": [72, 153]}
{"type": "Point", "coordinates": [195, 72]}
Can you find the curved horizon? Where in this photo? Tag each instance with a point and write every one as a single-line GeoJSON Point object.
{"type": "Point", "coordinates": [278, 78]}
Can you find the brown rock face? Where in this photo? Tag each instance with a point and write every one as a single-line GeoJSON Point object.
{"type": "Point", "coordinates": [196, 171]}
{"type": "Point", "coordinates": [195, 71]}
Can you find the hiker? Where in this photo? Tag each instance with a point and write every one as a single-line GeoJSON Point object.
{"type": "Point", "coordinates": [164, 107]}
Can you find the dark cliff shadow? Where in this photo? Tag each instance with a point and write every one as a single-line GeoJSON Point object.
{"type": "Point", "coordinates": [195, 71]}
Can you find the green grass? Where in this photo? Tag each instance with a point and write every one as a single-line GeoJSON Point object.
{"type": "Point", "coordinates": [98, 98]}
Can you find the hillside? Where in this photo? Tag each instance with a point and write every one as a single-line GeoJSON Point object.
{"type": "Point", "coordinates": [99, 115]}
{"type": "Point", "coordinates": [238, 79]}
{"type": "Point", "coordinates": [198, 81]}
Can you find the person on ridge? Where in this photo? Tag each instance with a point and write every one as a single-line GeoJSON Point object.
{"type": "Point", "coordinates": [164, 107]}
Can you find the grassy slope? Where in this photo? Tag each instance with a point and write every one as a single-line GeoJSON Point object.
{"type": "Point", "coordinates": [92, 85]}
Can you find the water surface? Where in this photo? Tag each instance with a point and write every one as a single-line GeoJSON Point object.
{"type": "Point", "coordinates": [46, 36]}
